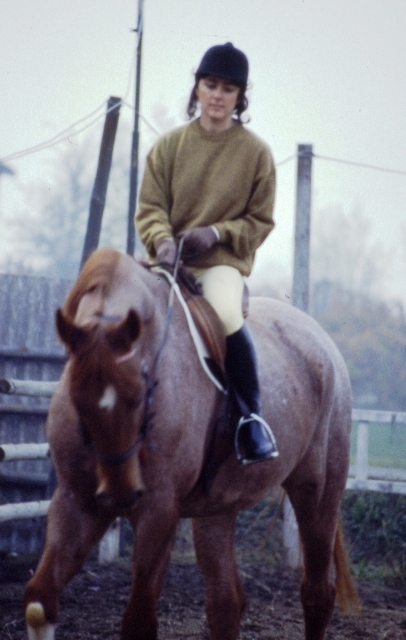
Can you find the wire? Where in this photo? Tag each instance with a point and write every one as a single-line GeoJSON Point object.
{"type": "Point", "coordinates": [70, 132]}
{"type": "Point", "coordinates": [279, 164]}
{"type": "Point", "coordinates": [331, 159]}
{"type": "Point", "coordinates": [360, 164]}
{"type": "Point", "coordinates": [60, 137]}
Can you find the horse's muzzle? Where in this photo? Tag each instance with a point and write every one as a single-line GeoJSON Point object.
{"type": "Point", "coordinates": [119, 487]}
{"type": "Point", "coordinates": [112, 501]}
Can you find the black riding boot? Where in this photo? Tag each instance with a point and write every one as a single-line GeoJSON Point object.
{"type": "Point", "coordinates": [254, 439]}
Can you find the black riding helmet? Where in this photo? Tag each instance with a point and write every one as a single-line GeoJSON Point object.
{"type": "Point", "coordinates": [225, 61]}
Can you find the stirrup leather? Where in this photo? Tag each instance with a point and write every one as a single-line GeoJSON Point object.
{"type": "Point", "coordinates": [253, 417]}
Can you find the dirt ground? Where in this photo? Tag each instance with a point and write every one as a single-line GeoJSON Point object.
{"type": "Point", "coordinates": [93, 603]}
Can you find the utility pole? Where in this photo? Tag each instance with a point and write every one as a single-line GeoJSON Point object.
{"type": "Point", "coordinates": [302, 231]}
{"type": "Point", "coordinates": [135, 141]}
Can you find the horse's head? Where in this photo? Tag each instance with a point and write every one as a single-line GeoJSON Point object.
{"type": "Point", "coordinates": [108, 391]}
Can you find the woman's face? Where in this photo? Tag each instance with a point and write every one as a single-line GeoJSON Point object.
{"type": "Point", "coordinates": [218, 99]}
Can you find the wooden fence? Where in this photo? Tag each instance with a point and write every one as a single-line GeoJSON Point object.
{"type": "Point", "coordinates": [110, 543]}
{"type": "Point", "coordinates": [29, 350]}
{"type": "Point", "coordinates": [361, 476]}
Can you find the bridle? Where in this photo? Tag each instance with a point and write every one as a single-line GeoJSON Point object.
{"type": "Point", "coordinates": [150, 378]}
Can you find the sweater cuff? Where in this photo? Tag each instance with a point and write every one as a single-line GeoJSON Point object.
{"type": "Point", "coordinates": [159, 238]}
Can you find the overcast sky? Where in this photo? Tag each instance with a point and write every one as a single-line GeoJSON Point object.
{"type": "Point", "coordinates": [326, 72]}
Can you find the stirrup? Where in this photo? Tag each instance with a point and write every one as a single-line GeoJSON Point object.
{"type": "Point", "coordinates": [268, 437]}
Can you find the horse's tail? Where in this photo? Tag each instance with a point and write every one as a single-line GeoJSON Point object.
{"type": "Point", "coordinates": [346, 591]}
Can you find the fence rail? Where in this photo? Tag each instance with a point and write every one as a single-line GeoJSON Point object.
{"type": "Point", "coordinates": [364, 477]}
{"type": "Point", "coordinates": [361, 475]}
{"type": "Point", "coordinates": [109, 545]}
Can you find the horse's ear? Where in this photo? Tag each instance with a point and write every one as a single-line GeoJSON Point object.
{"type": "Point", "coordinates": [122, 338]}
{"type": "Point", "coordinates": [71, 335]}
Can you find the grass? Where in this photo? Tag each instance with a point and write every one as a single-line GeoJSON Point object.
{"type": "Point", "coordinates": [386, 445]}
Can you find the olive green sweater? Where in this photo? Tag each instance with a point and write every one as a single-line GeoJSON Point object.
{"type": "Point", "coordinates": [194, 178]}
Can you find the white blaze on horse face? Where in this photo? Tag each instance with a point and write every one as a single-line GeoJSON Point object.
{"type": "Point", "coordinates": [108, 399]}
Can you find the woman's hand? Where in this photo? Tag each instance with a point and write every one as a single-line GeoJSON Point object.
{"type": "Point", "coordinates": [197, 241]}
{"type": "Point", "coordinates": [166, 252]}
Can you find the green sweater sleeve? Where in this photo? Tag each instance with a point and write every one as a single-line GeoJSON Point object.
{"type": "Point", "coordinates": [152, 218]}
{"type": "Point", "coordinates": [246, 233]}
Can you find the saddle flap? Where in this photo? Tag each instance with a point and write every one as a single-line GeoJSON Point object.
{"type": "Point", "coordinates": [209, 327]}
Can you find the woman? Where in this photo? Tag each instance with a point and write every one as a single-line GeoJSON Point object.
{"type": "Point", "coordinates": [212, 183]}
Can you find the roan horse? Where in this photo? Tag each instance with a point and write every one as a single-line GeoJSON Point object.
{"type": "Point", "coordinates": [131, 436]}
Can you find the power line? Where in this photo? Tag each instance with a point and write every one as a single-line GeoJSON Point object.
{"type": "Point", "coordinates": [341, 161]}
{"type": "Point", "coordinates": [360, 164]}
{"type": "Point", "coordinates": [69, 132]}
{"type": "Point", "coordinates": [288, 159]}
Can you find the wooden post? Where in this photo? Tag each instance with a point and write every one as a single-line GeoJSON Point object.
{"type": "Point", "coordinates": [291, 539]}
{"type": "Point", "coordinates": [301, 286]}
{"type": "Point", "coordinates": [361, 464]}
{"type": "Point", "coordinates": [98, 198]}
{"type": "Point", "coordinates": [109, 545]}
{"type": "Point", "coordinates": [300, 299]}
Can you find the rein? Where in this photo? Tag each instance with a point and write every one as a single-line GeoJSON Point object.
{"type": "Point", "coordinates": [151, 382]}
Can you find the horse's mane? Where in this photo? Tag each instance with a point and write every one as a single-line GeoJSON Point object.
{"type": "Point", "coordinates": [97, 273]}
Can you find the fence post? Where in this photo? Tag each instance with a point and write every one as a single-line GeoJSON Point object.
{"type": "Point", "coordinates": [361, 464]}
{"type": "Point", "coordinates": [300, 299]}
{"type": "Point", "coordinates": [109, 545]}
{"type": "Point", "coordinates": [301, 267]}
{"type": "Point", "coordinates": [291, 539]}
{"type": "Point", "coordinates": [98, 198]}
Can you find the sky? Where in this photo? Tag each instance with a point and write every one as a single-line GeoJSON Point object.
{"type": "Point", "coordinates": [327, 73]}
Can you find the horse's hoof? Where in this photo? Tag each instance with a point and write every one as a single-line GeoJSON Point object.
{"type": "Point", "coordinates": [37, 626]}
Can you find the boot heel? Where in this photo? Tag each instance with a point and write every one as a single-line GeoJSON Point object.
{"type": "Point", "coordinates": [254, 440]}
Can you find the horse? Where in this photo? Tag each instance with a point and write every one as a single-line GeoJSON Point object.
{"type": "Point", "coordinates": [138, 429]}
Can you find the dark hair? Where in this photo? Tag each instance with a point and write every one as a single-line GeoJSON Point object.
{"type": "Point", "coordinates": [240, 107]}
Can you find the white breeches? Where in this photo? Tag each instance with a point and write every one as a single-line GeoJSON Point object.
{"type": "Point", "coordinates": [223, 287]}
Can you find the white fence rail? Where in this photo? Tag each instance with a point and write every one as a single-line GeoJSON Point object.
{"type": "Point", "coordinates": [109, 545]}
{"type": "Point", "coordinates": [361, 475]}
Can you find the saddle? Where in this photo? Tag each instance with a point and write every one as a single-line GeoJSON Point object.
{"type": "Point", "coordinates": [207, 321]}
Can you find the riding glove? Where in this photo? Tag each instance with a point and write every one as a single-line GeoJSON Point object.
{"type": "Point", "coordinates": [198, 240]}
{"type": "Point", "coordinates": [166, 251]}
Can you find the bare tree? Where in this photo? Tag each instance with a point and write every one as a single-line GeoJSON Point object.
{"type": "Point", "coordinates": [47, 236]}
{"type": "Point", "coordinates": [344, 250]}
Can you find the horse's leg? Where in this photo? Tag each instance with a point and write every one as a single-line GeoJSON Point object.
{"type": "Point", "coordinates": [71, 535]}
{"type": "Point", "coordinates": [317, 519]}
{"type": "Point", "coordinates": [154, 535]}
{"type": "Point", "coordinates": [225, 598]}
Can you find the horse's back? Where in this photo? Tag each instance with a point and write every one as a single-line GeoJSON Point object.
{"type": "Point", "coordinates": [295, 343]}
